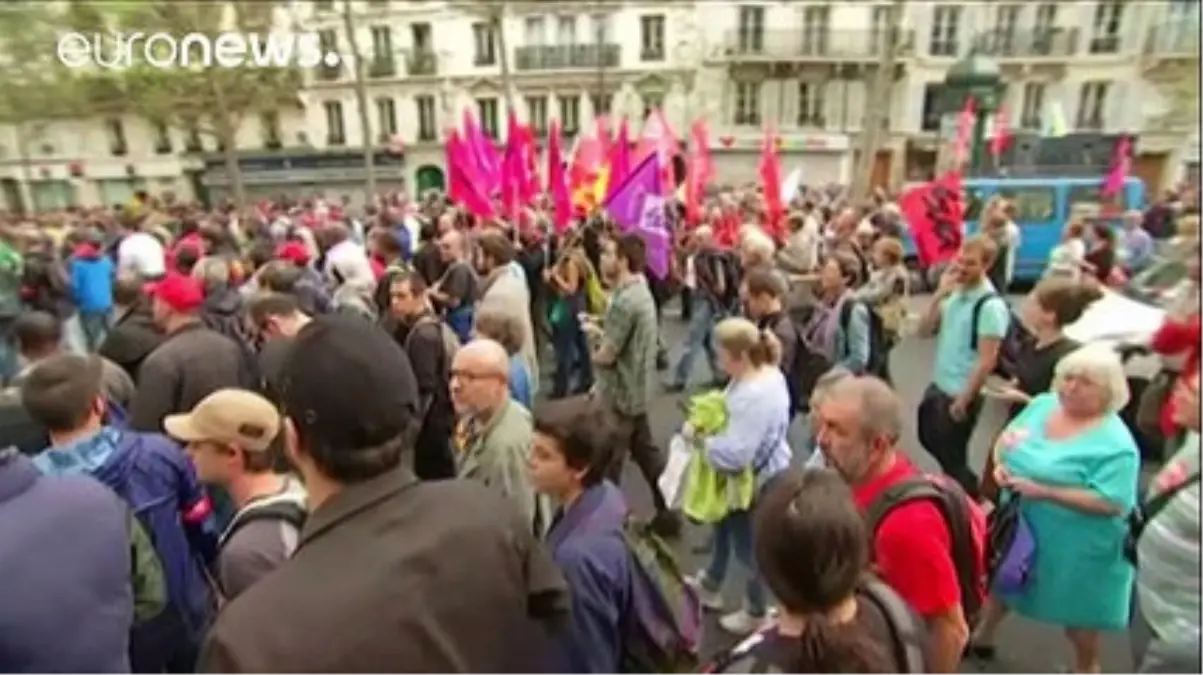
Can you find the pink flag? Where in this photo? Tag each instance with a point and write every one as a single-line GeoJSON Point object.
{"type": "Point", "coordinates": [620, 159]}
{"type": "Point", "coordinates": [1121, 162]}
{"type": "Point", "coordinates": [463, 185]}
{"type": "Point", "coordinates": [658, 138]}
{"type": "Point", "coordinates": [514, 179]}
{"type": "Point", "coordinates": [557, 181]}
{"type": "Point", "coordinates": [482, 152]}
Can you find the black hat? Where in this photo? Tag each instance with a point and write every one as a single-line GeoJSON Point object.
{"type": "Point", "coordinates": [347, 385]}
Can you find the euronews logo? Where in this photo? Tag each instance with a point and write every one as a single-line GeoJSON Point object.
{"type": "Point", "coordinates": [118, 51]}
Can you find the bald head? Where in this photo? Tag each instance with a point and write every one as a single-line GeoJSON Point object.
{"type": "Point", "coordinates": [484, 355]}
{"type": "Point", "coordinates": [480, 378]}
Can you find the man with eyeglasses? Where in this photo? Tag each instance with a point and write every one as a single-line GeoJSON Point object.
{"type": "Point", "coordinates": [494, 434]}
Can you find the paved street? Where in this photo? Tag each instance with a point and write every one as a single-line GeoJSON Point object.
{"type": "Point", "coordinates": [1023, 646]}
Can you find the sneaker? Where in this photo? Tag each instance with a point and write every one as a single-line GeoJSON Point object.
{"type": "Point", "coordinates": [708, 599]}
{"type": "Point", "coordinates": [741, 623]}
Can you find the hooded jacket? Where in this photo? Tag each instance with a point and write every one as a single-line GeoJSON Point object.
{"type": "Point", "coordinates": [91, 279]}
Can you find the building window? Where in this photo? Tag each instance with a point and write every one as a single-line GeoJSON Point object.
{"type": "Point", "coordinates": [751, 30]}
{"type": "Point", "coordinates": [269, 129]}
{"type": "Point", "coordinates": [485, 42]}
{"type": "Point", "coordinates": [1046, 18]}
{"type": "Point", "coordinates": [570, 114]}
{"type": "Point", "coordinates": [162, 139]}
{"type": "Point", "coordinates": [427, 120]}
{"type": "Point", "coordinates": [336, 132]}
{"type": "Point", "coordinates": [652, 101]}
{"type": "Point", "coordinates": [325, 5]}
{"type": "Point", "coordinates": [933, 111]}
{"type": "Point", "coordinates": [535, 30]}
{"type": "Point", "coordinates": [328, 40]}
{"type": "Point", "coordinates": [1092, 101]}
{"type": "Point", "coordinates": [115, 130]}
{"type": "Point", "coordinates": [1108, 17]}
{"type": "Point", "coordinates": [601, 29]}
{"type": "Point", "coordinates": [651, 37]}
{"type": "Point", "coordinates": [1032, 113]}
{"type": "Point", "coordinates": [419, 36]}
{"type": "Point", "coordinates": [812, 102]}
{"type": "Point", "coordinates": [536, 113]}
{"type": "Point", "coordinates": [747, 104]}
{"type": "Point", "coordinates": [192, 137]}
{"type": "Point", "coordinates": [382, 42]}
{"type": "Point", "coordinates": [566, 30]}
{"type": "Point", "coordinates": [386, 117]}
{"type": "Point", "coordinates": [945, 31]}
{"type": "Point", "coordinates": [1006, 21]}
{"type": "Point", "coordinates": [816, 26]}
{"type": "Point", "coordinates": [602, 103]}
{"type": "Point", "coordinates": [487, 108]}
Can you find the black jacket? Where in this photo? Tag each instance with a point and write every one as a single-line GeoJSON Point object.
{"type": "Point", "coordinates": [131, 339]}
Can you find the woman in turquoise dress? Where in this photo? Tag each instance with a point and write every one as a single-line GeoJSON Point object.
{"type": "Point", "coordinates": [1075, 465]}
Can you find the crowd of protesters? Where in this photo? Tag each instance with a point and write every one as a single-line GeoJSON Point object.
{"type": "Point", "coordinates": [310, 437]}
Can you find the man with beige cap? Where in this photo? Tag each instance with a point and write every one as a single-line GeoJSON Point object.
{"type": "Point", "coordinates": [230, 437]}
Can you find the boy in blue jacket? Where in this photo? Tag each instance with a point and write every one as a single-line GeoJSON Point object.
{"type": "Point", "coordinates": [92, 289]}
{"type": "Point", "coordinates": [157, 481]}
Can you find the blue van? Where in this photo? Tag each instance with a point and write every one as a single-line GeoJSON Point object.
{"type": "Point", "coordinates": [1042, 207]}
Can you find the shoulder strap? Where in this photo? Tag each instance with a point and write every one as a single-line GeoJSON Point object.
{"type": "Point", "coordinates": [286, 509]}
{"type": "Point", "coordinates": [906, 631]}
{"type": "Point", "coordinates": [897, 495]}
{"type": "Point", "coordinates": [977, 313]}
{"type": "Point", "coordinates": [1157, 503]}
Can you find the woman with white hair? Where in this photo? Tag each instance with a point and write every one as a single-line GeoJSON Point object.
{"type": "Point", "coordinates": [1074, 465]}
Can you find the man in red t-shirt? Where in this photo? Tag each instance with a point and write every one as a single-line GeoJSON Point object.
{"type": "Point", "coordinates": [859, 422]}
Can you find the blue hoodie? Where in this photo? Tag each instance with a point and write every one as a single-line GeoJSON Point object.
{"type": "Point", "coordinates": [91, 280]}
{"type": "Point", "coordinates": [152, 474]}
{"type": "Point", "coordinates": [587, 543]}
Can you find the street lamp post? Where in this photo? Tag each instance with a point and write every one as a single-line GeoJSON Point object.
{"type": "Point", "coordinates": [979, 78]}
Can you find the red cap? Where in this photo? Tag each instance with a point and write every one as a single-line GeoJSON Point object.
{"type": "Point", "coordinates": [181, 293]}
{"type": "Point", "coordinates": [294, 252]}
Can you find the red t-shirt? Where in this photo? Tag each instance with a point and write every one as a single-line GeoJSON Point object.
{"type": "Point", "coordinates": [912, 548]}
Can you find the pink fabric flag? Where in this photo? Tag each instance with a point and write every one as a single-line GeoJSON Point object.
{"type": "Point", "coordinates": [625, 206]}
{"type": "Point", "coordinates": [482, 152]}
{"type": "Point", "coordinates": [557, 181]}
{"type": "Point", "coordinates": [514, 180]}
{"type": "Point", "coordinates": [1121, 160]}
{"type": "Point", "coordinates": [620, 159]}
{"type": "Point", "coordinates": [462, 181]}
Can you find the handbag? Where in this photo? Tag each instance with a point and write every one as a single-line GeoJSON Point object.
{"type": "Point", "coordinates": [1010, 548]}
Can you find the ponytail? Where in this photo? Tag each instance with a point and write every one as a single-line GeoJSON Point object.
{"type": "Point", "coordinates": [827, 647]}
{"type": "Point", "coordinates": [768, 349]}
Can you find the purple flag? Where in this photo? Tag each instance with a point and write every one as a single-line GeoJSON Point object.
{"type": "Point", "coordinates": [653, 229]}
{"type": "Point", "coordinates": [625, 205]}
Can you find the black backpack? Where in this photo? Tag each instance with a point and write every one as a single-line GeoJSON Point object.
{"type": "Point", "coordinates": [879, 343]}
{"type": "Point", "coordinates": [283, 508]}
{"type": "Point", "coordinates": [953, 504]}
{"type": "Point", "coordinates": [1013, 341]}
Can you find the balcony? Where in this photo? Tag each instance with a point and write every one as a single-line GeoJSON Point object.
{"type": "Point", "coordinates": [567, 57]}
{"type": "Point", "coordinates": [814, 46]}
{"type": "Point", "coordinates": [1178, 40]}
{"type": "Point", "coordinates": [422, 62]}
{"type": "Point", "coordinates": [382, 66]}
{"type": "Point", "coordinates": [328, 73]}
{"type": "Point", "coordinates": [1049, 45]}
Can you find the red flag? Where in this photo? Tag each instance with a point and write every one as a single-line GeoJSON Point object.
{"type": "Point", "coordinates": [557, 181]}
{"type": "Point", "coordinates": [935, 213]}
{"type": "Point", "coordinates": [658, 137]}
{"type": "Point", "coordinates": [462, 181]}
{"type": "Point", "coordinates": [770, 178]}
{"type": "Point", "coordinates": [726, 230]}
{"type": "Point", "coordinates": [620, 159]}
{"type": "Point", "coordinates": [514, 180]}
{"type": "Point", "coordinates": [700, 170]}
{"type": "Point", "coordinates": [960, 148]}
{"type": "Point", "coordinates": [1121, 160]}
{"type": "Point", "coordinates": [1002, 132]}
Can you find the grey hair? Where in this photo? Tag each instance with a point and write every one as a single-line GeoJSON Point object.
{"type": "Point", "coordinates": [212, 272]}
{"type": "Point", "coordinates": [1100, 364]}
{"type": "Point", "coordinates": [823, 385]}
{"type": "Point", "coordinates": [879, 406]}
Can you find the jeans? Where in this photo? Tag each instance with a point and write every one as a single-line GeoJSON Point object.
{"type": "Point", "coordinates": [699, 336]}
{"type": "Point", "coordinates": [572, 358]}
{"type": "Point", "coordinates": [947, 439]}
{"type": "Point", "coordinates": [95, 327]}
{"type": "Point", "coordinates": [733, 535]}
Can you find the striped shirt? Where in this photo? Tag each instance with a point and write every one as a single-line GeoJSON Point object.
{"type": "Point", "coordinates": [1168, 551]}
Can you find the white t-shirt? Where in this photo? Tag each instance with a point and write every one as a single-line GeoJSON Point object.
{"type": "Point", "coordinates": [141, 253]}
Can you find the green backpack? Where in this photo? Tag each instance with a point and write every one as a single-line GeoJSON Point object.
{"type": "Point", "coordinates": [662, 628]}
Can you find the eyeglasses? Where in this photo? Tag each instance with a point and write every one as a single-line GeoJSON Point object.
{"type": "Point", "coordinates": [474, 376]}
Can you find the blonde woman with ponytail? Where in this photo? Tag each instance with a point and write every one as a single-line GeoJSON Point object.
{"type": "Point", "coordinates": [758, 411]}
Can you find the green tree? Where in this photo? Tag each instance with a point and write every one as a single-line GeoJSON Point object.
{"type": "Point", "coordinates": [37, 88]}
{"type": "Point", "coordinates": [213, 101]}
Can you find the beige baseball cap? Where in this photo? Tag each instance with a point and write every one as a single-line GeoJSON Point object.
{"type": "Point", "coordinates": [235, 416]}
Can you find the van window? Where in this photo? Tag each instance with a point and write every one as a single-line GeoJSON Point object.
{"type": "Point", "coordinates": [975, 201]}
{"type": "Point", "coordinates": [1034, 204]}
{"type": "Point", "coordinates": [1093, 195]}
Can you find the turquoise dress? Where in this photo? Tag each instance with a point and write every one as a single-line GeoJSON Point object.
{"type": "Point", "coordinates": [1081, 578]}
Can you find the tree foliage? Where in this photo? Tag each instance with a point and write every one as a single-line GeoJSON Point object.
{"type": "Point", "coordinates": [36, 86]}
